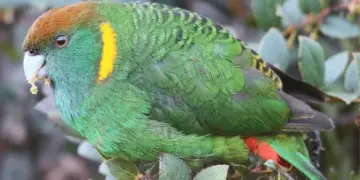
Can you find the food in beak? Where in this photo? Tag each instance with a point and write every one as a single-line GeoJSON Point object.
{"type": "Point", "coordinates": [33, 65]}
{"type": "Point", "coordinates": [34, 88]}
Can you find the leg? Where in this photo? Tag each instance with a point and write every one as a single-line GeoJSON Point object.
{"type": "Point", "coordinates": [261, 166]}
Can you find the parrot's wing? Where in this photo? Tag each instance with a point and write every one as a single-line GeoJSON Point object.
{"type": "Point", "coordinates": [293, 150]}
{"type": "Point", "coordinates": [213, 95]}
{"type": "Point", "coordinates": [203, 80]}
{"type": "Point", "coordinates": [303, 117]}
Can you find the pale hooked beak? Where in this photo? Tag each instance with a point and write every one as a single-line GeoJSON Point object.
{"type": "Point", "coordinates": [33, 66]}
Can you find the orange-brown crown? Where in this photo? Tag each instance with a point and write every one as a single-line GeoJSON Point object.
{"type": "Point", "coordinates": [58, 19]}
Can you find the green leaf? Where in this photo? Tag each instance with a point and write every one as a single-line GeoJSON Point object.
{"type": "Point", "coordinates": [171, 167]}
{"type": "Point", "coordinates": [335, 67]}
{"type": "Point", "coordinates": [311, 61]}
{"type": "Point", "coordinates": [265, 13]}
{"type": "Point", "coordinates": [313, 6]}
{"type": "Point", "coordinates": [87, 151]}
{"type": "Point", "coordinates": [104, 169]}
{"type": "Point", "coordinates": [340, 28]}
{"type": "Point", "coordinates": [122, 169]}
{"type": "Point", "coordinates": [290, 13]}
{"type": "Point", "coordinates": [273, 48]}
{"type": "Point", "coordinates": [351, 82]}
{"type": "Point", "coordinates": [345, 96]}
{"type": "Point", "coordinates": [357, 59]}
{"type": "Point", "coordinates": [218, 172]}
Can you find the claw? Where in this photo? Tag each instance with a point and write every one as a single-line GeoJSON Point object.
{"type": "Point", "coordinates": [270, 164]}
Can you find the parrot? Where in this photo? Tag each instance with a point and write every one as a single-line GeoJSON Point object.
{"type": "Point", "coordinates": [139, 79]}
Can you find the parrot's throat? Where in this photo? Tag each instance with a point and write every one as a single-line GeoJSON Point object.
{"type": "Point", "coordinates": [68, 96]}
{"type": "Point", "coordinates": [71, 88]}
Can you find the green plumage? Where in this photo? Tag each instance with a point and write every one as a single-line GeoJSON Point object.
{"type": "Point", "coordinates": [181, 84]}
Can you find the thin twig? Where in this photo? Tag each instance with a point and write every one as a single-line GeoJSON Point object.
{"type": "Point", "coordinates": [315, 19]}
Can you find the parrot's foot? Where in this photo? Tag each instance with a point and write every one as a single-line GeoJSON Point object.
{"type": "Point", "coordinates": [268, 167]}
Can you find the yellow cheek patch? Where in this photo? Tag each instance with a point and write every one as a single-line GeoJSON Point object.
{"type": "Point", "coordinates": [109, 51]}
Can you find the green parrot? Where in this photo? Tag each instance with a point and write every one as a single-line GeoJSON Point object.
{"type": "Point", "coordinates": [139, 79]}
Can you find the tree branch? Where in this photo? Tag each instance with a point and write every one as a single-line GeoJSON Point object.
{"type": "Point", "coordinates": [316, 19]}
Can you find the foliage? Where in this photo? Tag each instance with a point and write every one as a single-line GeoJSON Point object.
{"type": "Point", "coordinates": [323, 41]}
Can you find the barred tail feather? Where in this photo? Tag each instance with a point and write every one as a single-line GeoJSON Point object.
{"type": "Point", "coordinates": [300, 162]}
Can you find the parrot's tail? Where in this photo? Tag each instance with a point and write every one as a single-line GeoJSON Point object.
{"type": "Point", "coordinates": [297, 88]}
{"type": "Point", "coordinates": [304, 118]}
{"type": "Point", "coordinates": [299, 161]}
{"type": "Point", "coordinates": [300, 89]}
{"type": "Point", "coordinates": [284, 152]}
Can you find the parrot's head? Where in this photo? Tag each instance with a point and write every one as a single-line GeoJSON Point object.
{"type": "Point", "coordinates": [72, 45]}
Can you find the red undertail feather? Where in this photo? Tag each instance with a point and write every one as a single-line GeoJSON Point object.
{"type": "Point", "coordinates": [265, 151]}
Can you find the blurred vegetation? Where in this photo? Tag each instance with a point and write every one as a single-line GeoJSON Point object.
{"type": "Point", "coordinates": [317, 41]}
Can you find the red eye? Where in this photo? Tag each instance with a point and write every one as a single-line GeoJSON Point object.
{"type": "Point", "coordinates": [61, 41]}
